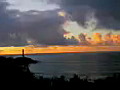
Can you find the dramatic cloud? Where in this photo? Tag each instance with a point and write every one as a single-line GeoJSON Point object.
{"type": "Point", "coordinates": [44, 28]}
{"type": "Point", "coordinates": [106, 11]}
{"type": "Point", "coordinates": [25, 22]}
{"type": "Point", "coordinates": [30, 27]}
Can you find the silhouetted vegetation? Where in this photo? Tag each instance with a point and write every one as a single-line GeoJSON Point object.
{"type": "Point", "coordinates": [15, 73]}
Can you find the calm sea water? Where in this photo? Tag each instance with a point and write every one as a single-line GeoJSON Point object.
{"type": "Point", "coordinates": [91, 64]}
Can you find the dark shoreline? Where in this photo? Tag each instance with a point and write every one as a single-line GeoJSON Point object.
{"type": "Point", "coordinates": [15, 73]}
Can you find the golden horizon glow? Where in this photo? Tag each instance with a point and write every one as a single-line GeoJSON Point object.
{"type": "Point", "coordinates": [56, 49]}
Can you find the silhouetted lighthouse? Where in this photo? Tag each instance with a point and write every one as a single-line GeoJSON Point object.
{"type": "Point", "coordinates": [23, 55]}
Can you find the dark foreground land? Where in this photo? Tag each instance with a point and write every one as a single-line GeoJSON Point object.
{"type": "Point", "coordinates": [15, 74]}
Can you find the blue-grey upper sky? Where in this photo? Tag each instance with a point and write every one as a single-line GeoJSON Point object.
{"type": "Point", "coordinates": [37, 21]}
{"type": "Point", "coordinates": [26, 5]}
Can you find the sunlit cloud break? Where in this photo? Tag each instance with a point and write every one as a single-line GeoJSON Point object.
{"type": "Point", "coordinates": [26, 5]}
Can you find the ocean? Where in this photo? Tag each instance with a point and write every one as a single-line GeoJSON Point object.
{"type": "Point", "coordinates": [93, 65]}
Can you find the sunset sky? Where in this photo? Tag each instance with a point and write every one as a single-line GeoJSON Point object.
{"type": "Point", "coordinates": [37, 21]}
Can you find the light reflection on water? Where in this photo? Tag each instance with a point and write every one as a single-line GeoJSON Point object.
{"type": "Point", "coordinates": [91, 64]}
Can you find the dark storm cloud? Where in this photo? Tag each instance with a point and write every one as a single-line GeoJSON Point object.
{"type": "Point", "coordinates": [44, 27]}
{"type": "Point", "coordinates": [98, 4]}
{"type": "Point", "coordinates": [7, 23]}
{"type": "Point", "coordinates": [106, 11]}
{"type": "Point", "coordinates": [39, 27]}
